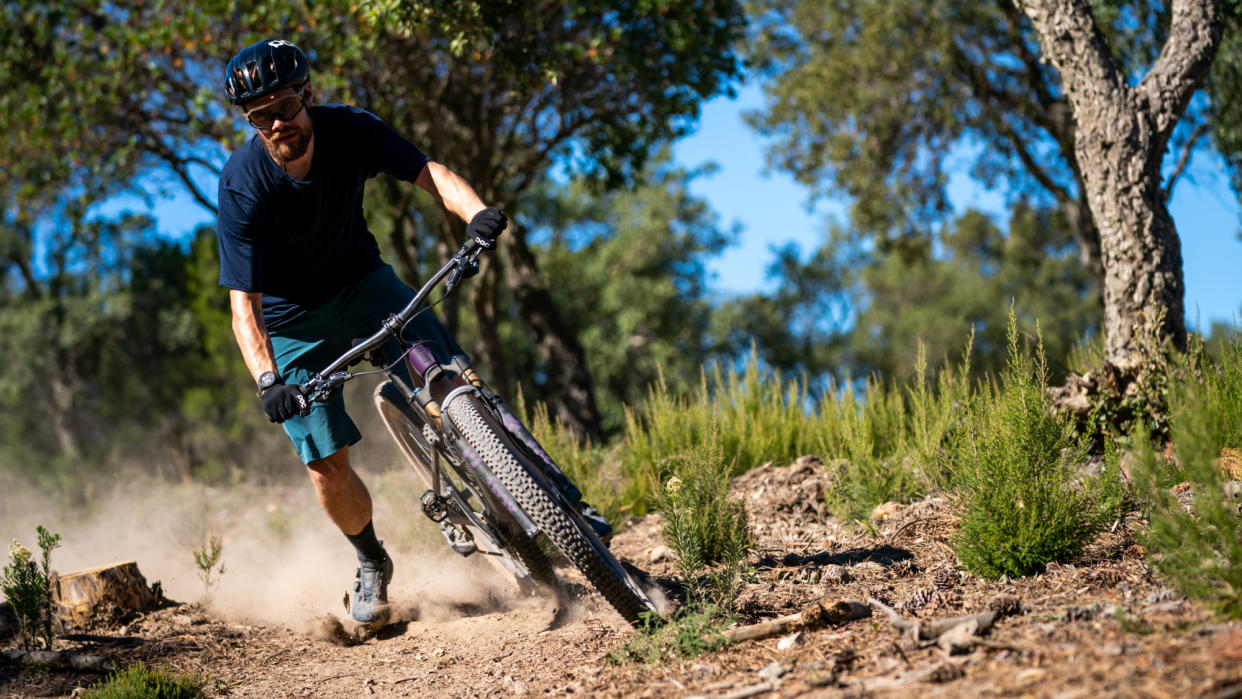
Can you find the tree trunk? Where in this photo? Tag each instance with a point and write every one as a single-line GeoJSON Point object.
{"type": "Point", "coordinates": [1121, 134]}
{"type": "Point", "coordinates": [568, 381]}
{"type": "Point", "coordinates": [101, 595]}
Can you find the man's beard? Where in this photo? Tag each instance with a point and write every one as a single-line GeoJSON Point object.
{"type": "Point", "coordinates": [288, 151]}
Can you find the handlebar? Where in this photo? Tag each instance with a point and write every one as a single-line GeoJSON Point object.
{"type": "Point", "coordinates": [464, 263]}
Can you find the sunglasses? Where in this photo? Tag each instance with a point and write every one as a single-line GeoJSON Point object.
{"type": "Point", "coordinates": [284, 109]}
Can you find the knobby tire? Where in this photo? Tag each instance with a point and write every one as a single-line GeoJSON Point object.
{"type": "Point", "coordinates": [405, 427]}
{"type": "Point", "coordinates": [570, 534]}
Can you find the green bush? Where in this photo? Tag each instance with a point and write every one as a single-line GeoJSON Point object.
{"type": "Point", "coordinates": [865, 439]}
{"type": "Point", "coordinates": [138, 680]}
{"type": "Point", "coordinates": [28, 587]}
{"type": "Point", "coordinates": [1027, 503]}
{"type": "Point", "coordinates": [756, 415]}
{"type": "Point", "coordinates": [1199, 551]}
{"type": "Point", "coordinates": [705, 529]}
{"type": "Point", "coordinates": [694, 630]}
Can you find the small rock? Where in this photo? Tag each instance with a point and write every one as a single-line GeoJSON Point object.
{"type": "Point", "coordinates": [789, 641]}
{"type": "Point", "coordinates": [658, 554]}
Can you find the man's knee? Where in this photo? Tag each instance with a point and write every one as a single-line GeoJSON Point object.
{"type": "Point", "coordinates": [332, 470]}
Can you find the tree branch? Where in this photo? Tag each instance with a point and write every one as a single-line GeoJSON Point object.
{"type": "Point", "coordinates": [1184, 158]}
{"type": "Point", "coordinates": [1194, 36]}
{"type": "Point", "coordinates": [1070, 37]}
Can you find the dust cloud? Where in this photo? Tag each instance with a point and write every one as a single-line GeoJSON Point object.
{"type": "Point", "coordinates": [283, 561]}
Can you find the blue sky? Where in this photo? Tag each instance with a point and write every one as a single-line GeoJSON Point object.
{"type": "Point", "coordinates": [772, 210]}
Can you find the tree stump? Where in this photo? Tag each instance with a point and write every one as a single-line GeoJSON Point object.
{"type": "Point", "coordinates": [101, 596]}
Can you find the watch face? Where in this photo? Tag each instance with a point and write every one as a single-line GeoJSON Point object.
{"type": "Point", "coordinates": [267, 379]}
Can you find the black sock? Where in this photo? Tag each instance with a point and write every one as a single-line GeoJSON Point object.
{"type": "Point", "coordinates": [367, 545]}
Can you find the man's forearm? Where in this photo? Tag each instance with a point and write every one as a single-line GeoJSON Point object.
{"type": "Point", "coordinates": [252, 337]}
{"type": "Point", "coordinates": [450, 190]}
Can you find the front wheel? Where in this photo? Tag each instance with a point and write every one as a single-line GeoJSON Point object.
{"type": "Point", "coordinates": [504, 544]}
{"type": "Point", "coordinates": [571, 535]}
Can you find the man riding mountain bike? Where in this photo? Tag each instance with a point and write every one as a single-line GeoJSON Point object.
{"type": "Point", "coordinates": [305, 274]}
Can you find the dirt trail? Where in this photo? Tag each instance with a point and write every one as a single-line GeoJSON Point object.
{"type": "Point", "coordinates": [1105, 627]}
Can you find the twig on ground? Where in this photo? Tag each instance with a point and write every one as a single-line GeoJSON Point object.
{"type": "Point", "coordinates": [59, 660]}
{"type": "Point", "coordinates": [823, 613]}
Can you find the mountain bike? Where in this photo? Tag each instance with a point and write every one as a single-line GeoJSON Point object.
{"type": "Point", "coordinates": [491, 488]}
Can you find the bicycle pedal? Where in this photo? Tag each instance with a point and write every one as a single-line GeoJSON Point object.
{"type": "Point", "coordinates": [433, 506]}
{"type": "Point", "coordinates": [458, 539]}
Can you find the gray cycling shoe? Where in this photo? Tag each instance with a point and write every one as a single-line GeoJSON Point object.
{"type": "Point", "coordinates": [597, 521]}
{"type": "Point", "coordinates": [369, 599]}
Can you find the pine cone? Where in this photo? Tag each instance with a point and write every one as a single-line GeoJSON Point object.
{"type": "Point", "coordinates": [904, 568]}
{"type": "Point", "coordinates": [945, 579]}
{"type": "Point", "coordinates": [919, 599]}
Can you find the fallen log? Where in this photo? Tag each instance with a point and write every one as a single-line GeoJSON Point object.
{"type": "Point", "coordinates": [59, 660]}
{"type": "Point", "coordinates": [825, 612]}
{"type": "Point", "coordinates": [101, 596]}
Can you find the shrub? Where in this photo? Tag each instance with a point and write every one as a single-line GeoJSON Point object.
{"type": "Point", "coordinates": [138, 680]}
{"type": "Point", "coordinates": [1198, 547]}
{"type": "Point", "coordinates": [705, 530]}
{"type": "Point", "coordinates": [755, 416]}
{"type": "Point", "coordinates": [1027, 505]}
{"type": "Point", "coordinates": [206, 559]}
{"type": "Point", "coordinates": [28, 587]}
{"type": "Point", "coordinates": [694, 630]}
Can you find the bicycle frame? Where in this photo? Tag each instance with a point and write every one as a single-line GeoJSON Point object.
{"type": "Point", "coordinates": [435, 384]}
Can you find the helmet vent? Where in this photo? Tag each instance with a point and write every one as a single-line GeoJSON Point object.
{"type": "Point", "coordinates": [263, 69]}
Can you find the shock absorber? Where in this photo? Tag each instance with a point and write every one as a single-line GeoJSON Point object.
{"type": "Point", "coordinates": [462, 365]}
{"type": "Point", "coordinates": [429, 405]}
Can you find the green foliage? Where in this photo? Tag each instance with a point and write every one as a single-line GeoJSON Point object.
{"type": "Point", "coordinates": [138, 680]}
{"type": "Point", "coordinates": [695, 629]}
{"type": "Point", "coordinates": [1027, 505]}
{"type": "Point", "coordinates": [757, 414]}
{"type": "Point", "coordinates": [206, 558]}
{"type": "Point", "coordinates": [704, 528]}
{"type": "Point", "coordinates": [883, 99]}
{"type": "Point", "coordinates": [27, 584]}
{"type": "Point", "coordinates": [130, 339]}
{"type": "Point", "coordinates": [1198, 544]}
{"type": "Point", "coordinates": [868, 437]}
{"type": "Point", "coordinates": [852, 309]}
{"type": "Point", "coordinates": [629, 270]}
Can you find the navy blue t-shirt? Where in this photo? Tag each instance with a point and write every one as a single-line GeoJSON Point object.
{"type": "Point", "coordinates": [301, 242]}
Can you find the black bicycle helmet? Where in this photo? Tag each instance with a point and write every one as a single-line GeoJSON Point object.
{"type": "Point", "coordinates": [263, 68]}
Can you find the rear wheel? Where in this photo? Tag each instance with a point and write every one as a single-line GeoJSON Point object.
{"type": "Point", "coordinates": [564, 527]}
{"type": "Point", "coordinates": [502, 542]}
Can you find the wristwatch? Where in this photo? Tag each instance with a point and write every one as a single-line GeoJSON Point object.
{"type": "Point", "coordinates": [266, 380]}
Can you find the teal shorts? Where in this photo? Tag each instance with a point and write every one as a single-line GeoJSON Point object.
{"type": "Point", "coordinates": [314, 340]}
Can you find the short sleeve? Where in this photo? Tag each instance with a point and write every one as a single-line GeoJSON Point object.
{"type": "Point", "coordinates": [238, 228]}
{"type": "Point", "coordinates": [390, 153]}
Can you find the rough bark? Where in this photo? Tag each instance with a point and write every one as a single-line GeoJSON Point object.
{"type": "Point", "coordinates": [1120, 139]}
{"type": "Point", "coordinates": [101, 595]}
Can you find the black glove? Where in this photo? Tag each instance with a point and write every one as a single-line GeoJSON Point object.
{"type": "Point", "coordinates": [486, 225]}
{"type": "Point", "coordinates": [283, 401]}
